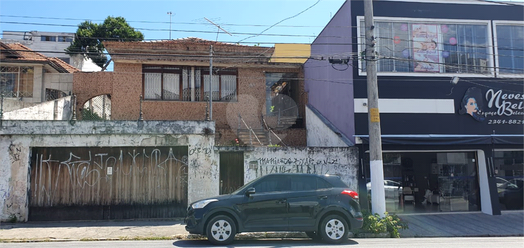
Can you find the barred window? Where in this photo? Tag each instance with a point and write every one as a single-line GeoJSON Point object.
{"type": "Point", "coordinates": [16, 81]}
{"type": "Point", "coordinates": [188, 84]}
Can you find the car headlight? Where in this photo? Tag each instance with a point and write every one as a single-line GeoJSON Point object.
{"type": "Point", "coordinates": [202, 204]}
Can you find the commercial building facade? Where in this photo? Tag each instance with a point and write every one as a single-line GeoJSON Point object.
{"type": "Point", "coordinates": [451, 100]}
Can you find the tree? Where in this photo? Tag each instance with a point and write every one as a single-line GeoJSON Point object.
{"type": "Point", "coordinates": [89, 38]}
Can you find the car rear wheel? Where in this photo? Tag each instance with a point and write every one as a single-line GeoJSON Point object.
{"type": "Point", "coordinates": [221, 230]}
{"type": "Point", "coordinates": [334, 229]}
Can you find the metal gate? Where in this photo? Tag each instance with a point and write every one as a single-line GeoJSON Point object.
{"type": "Point", "coordinates": [108, 183]}
{"type": "Point", "coordinates": [231, 171]}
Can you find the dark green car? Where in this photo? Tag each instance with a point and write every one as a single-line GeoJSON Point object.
{"type": "Point", "coordinates": [320, 205]}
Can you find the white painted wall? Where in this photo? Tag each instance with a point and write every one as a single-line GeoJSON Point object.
{"type": "Point", "coordinates": [320, 135]}
{"type": "Point", "coordinates": [342, 161]}
{"type": "Point", "coordinates": [59, 81]}
{"type": "Point", "coordinates": [59, 109]}
{"type": "Point", "coordinates": [33, 40]}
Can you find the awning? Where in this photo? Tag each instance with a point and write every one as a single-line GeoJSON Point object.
{"type": "Point", "coordinates": [443, 139]}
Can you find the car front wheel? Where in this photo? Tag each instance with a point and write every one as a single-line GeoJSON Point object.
{"type": "Point", "coordinates": [221, 230]}
{"type": "Point", "coordinates": [334, 229]}
{"type": "Point", "coordinates": [314, 235]}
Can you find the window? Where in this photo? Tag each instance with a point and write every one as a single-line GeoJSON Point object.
{"type": "Point", "coordinates": [48, 38]}
{"type": "Point", "coordinates": [420, 46]}
{"type": "Point", "coordinates": [272, 184]}
{"type": "Point", "coordinates": [509, 48]}
{"type": "Point", "coordinates": [65, 39]}
{"type": "Point", "coordinates": [16, 81]}
{"type": "Point", "coordinates": [188, 84]}
{"type": "Point", "coordinates": [303, 183]}
{"type": "Point", "coordinates": [278, 85]}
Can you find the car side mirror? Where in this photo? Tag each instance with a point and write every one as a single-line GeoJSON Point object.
{"type": "Point", "coordinates": [250, 191]}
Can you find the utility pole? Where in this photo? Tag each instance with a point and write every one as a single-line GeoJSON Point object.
{"type": "Point", "coordinates": [378, 200]}
{"type": "Point", "coordinates": [211, 83]}
{"type": "Point", "coordinates": [170, 14]}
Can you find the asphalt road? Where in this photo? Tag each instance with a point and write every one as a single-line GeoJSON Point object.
{"type": "Point", "coordinates": [488, 242]}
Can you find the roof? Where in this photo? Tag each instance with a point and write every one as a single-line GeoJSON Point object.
{"type": "Point", "coordinates": [187, 49]}
{"type": "Point", "coordinates": [16, 52]}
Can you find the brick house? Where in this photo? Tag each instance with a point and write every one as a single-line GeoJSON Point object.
{"type": "Point", "coordinates": [254, 98]}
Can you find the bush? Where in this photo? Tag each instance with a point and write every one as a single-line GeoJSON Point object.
{"type": "Point", "coordinates": [391, 224]}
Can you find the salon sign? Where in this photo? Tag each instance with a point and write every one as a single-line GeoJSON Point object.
{"type": "Point", "coordinates": [496, 106]}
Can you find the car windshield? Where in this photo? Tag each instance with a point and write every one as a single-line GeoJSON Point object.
{"type": "Point", "coordinates": [245, 186]}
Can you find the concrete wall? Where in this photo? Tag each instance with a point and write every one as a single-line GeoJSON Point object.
{"type": "Point", "coordinates": [11, 104]}
{"type": "Point", "coordinates": [340, 161]}
{"type": "Point", "coordinates": [18, 137]}
{"type": "Point", "coordinates": [319, 134]}
{"type": "Point", "coordinates": [59, 109]}
{"type": "Point", "coordinates": [59, 81]}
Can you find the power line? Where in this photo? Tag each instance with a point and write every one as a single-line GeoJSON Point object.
{"type": "Point", "coordinates": [157, 22]}
{"type": "Point", "coordinates": [291, 17]}
{"type": "Point", "coordinates": [163, 30]}
{"type": "Point", "coordinates": [258, 56]}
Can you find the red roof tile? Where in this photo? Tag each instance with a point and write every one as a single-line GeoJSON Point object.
{"type": "Point", "coordinates": [19, 52]}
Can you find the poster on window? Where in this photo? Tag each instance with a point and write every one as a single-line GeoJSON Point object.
{"type": "Point", "coordinates": [425, 48]}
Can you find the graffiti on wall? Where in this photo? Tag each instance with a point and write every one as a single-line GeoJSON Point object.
{"type": "Point", "coordinates": [307, 165]}
{"type": "Point", "coordinates": [106, 176]}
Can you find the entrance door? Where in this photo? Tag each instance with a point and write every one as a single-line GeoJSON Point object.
{"type": "Point", "coordinates": [458, 181]}
{"type": "Point", "coordinates": [231, 171]}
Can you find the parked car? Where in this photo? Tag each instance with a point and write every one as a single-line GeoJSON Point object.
{"type": "Point", "coordinates": [392, 189]}
{"type": "Point", "coordinates": [511, 192]}
{"type": "Point", "coordinates": [320, 205]}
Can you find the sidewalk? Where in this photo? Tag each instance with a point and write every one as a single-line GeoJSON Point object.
{"type": "Point", "coordinates": [476, 224]}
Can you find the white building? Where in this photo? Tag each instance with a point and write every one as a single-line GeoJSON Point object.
{"type": "Point", "coordinates": [50, 44]}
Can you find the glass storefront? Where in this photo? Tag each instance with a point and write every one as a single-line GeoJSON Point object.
{"type": "Point", "coordinates": [510, 178]}
{"type": "Point", "coordinates": [430, 182]}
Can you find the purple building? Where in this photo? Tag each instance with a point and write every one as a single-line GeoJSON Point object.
{"type": "Point", "coordinates": [450, 80]}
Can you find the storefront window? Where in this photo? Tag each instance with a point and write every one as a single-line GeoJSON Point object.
{"type": "Point", "coordinates": [430, 182]}
{"type": "Point", "coordinates": [509, 171]}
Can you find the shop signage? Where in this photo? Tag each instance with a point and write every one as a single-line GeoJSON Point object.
{"type": "Point", "coordinates": [495, 106]}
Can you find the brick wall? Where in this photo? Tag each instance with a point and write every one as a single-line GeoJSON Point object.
{"type": "Point", "coordinates": [125, 87]}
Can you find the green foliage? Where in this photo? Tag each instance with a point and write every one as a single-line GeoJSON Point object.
{"type": "Point", "coordinates": [89, 38]}
{"type": "Point", "coordinates": [391, 224]}
{"type": "Point", "coordinates": [89, 115]}
{"type": "Point", "coordinates": [12, 219]}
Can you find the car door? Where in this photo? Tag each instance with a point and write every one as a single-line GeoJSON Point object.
{"type": "Point", "coordinates": [304, 202]}
{"type": "Point", "coordinates": [266, 209]}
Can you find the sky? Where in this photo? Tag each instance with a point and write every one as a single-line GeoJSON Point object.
{"type": "Point", "coordinates": [262, 22]}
